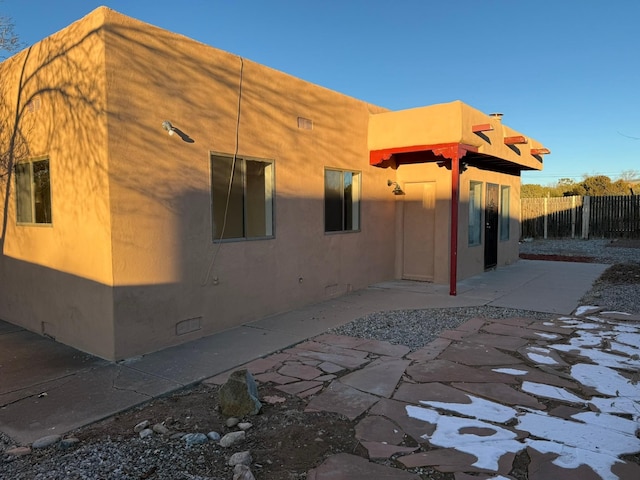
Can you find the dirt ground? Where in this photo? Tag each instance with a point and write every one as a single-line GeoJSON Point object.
{"type": "Point", "coordinates": [618, 274]}
{"type": "Point", "coordinates": [284, 441]}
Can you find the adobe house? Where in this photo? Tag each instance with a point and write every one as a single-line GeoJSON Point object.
{"type": "Point", "coordinates": [157, 190]}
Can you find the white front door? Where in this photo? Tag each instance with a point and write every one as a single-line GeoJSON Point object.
{"type": "Point", "coordinates": [419, 212]}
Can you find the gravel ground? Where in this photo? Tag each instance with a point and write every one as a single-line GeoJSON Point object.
{"type": "Point", "coordinates": [117, 458]}
{"type": "Point", "coordinates": [416, 328]}
{"type": "Point", "coordinates": [603, 250]}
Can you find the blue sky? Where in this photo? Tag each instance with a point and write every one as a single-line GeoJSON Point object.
{"type": "Point", "coordinates": [565, 72]}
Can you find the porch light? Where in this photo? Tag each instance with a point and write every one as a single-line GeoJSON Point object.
{"type": "Point", "coordinates": [168, 127]}
{"type": "Point", "coordinates": [396, 190]}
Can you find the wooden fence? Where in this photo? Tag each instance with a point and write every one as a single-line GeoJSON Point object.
{"type": "Point", "coordinates": [580, 217]}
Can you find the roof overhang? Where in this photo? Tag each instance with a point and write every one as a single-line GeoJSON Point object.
{"type": "Point", "coordinates": [428, 134]}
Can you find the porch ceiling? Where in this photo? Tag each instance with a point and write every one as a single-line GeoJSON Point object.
{"type": "Point", "coordinates": [425, 134]}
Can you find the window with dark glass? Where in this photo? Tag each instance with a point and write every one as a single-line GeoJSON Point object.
{"type": "Point", "coordinates": [341, 200]}
{"type": "Point", "coordinates": [504, 212]}
{"type": "Point", "coordinates": [242, 197]}
{"type": "Point", "coordinates": [33, 192]}
{"type": "Point", "coordinates": [475, 213]}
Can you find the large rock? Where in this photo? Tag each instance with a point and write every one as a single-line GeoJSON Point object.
{"type": "Point", "coordinates": [238, 397]}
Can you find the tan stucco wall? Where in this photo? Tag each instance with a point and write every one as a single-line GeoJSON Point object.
{"type": "Point", "coordinates": [449, 123]}
{"type": "Point", "coordinates": [56, 278]}
{"type": "Point", "coordinates": [130, 255]}
{"type": "Point", "coordinates": [161, 200]}
{"type": "Point", "coordinates": [471, 258]}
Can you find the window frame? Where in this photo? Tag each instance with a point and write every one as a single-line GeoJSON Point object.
{"type": "Point", "coordinates": [239, 165]}
{"type": "Point", "coordinates": [33, 194]}
{"type": "Point", "coordinates": [505, 214]}
{"type": "Point", "coordinates": [355, 224]}
{"type": "Point", "coordinates": [475, 213]}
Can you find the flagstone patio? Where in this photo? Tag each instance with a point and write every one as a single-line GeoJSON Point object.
{"type": "Point", "coordinates": [563, 392]}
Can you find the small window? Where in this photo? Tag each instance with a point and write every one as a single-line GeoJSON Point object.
{"type": "Point", "coordinates": [475, 213]}
{"type": "Point", "coordinates": [33, 192]}
{"type": "Point", "coordinates": [504, 212]}
{"type": "Point", "coordinates": [242, 197]}
{"type": "Point", "coordinates": [341, 201]}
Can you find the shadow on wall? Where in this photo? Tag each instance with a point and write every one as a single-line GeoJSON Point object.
{"type": "Point", "coordinates": [148, 203]}
{"type": "Point", "coordinates": [248, 281]}
{"type": "Point", "coordinates": [35, 87]}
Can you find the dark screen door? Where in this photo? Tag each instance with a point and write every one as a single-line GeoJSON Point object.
{"type": "Point", "coordinates": [491, 226]}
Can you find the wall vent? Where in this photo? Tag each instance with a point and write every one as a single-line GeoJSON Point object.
{"type": "Point", "coordinates": [305, 123]}
{"type": "Point", "coordinates": [188, 326]}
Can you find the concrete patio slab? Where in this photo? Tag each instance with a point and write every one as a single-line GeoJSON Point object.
{"type": "Point", "coordinates": [85, 397]}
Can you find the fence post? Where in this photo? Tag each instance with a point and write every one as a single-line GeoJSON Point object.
{"type": "Point", "coordinates": [573, 217]}
{"type": "Point", "coordinates": [586, 214]}
{"type": "Point", "coordinates": [546, 216]}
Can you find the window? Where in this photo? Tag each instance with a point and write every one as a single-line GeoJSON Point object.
{"type": "Point", "coordinates": [341, 201]}
{"type": "Point", "coordinates": [504, 212]}
{"type": "Point", "coordinates": [33, 192]}
{"type": "Point", "coordinates": [475, 213]}
{"type": "Point", "coordinates": [242, 197]}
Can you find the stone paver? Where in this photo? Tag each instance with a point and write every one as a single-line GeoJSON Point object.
{"type": "Point", "coordinates": [397, 412]}
{"type": "Point", "coordinates": [430, 351]}
{"type": "Point", "coordinates": [342, 399]}
{"type": "Point", "coordinates": [383, 348]}
{"type": "Point", "coordinates": [299, 387]}
{"type": "Point", "coordinates": [378, 378]}
{"type": "Point", "coordinates": [498, 341]}
{"type": "Point", "coordinates": [344, 466]}
{"type": "Point", "coordinates": [446, 371]}
{"type": "Point", "coordinates": [375, 428]}
{"type": "Point", "coordinates": [381, 451]}
{"type": "Point", "coordinates": [304, 372]}
{"type": "Point", "coordinates": [346, 361]}
{"type": "Point", "coordinates": [510, 330]}
{"type": "Point", "coordinates": [415, 393]}
{"type": "Point", "coordinates": [274, 377]}
{"type": "Point", "coordinates": [500, 392]}
{"type": "Point", "coordinates": [477, 354]}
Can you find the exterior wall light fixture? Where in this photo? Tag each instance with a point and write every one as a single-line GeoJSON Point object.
{"type": "Point", "coordinates": [396, 190]}
{"type": "Point", "coordinates": [168, 127]}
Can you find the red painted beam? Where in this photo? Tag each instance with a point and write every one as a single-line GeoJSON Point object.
{"type": "Point", "coordinates": [376, 157]}
{"type": "Point", "coordinates": [540, 151]}
{"type": "Point", "coordinates": [517, 140]}
{"type": "Point", "coordinates": [483, 127]}
{"type": "Point", "coordinates": [455, 195]}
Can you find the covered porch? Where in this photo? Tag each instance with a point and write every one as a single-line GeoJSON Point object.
{"type": "Point", "coordinates": [450, 138]}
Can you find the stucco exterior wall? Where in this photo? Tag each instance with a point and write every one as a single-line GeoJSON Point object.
{"type": "Point", "coordinates": [56, 278]}
{"type": "Point", "coordinates": [167, 269]}
{"type": "Point", "coordinates": [129, 264]}
{"type": "Point", "coordinates": [471, 257]}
